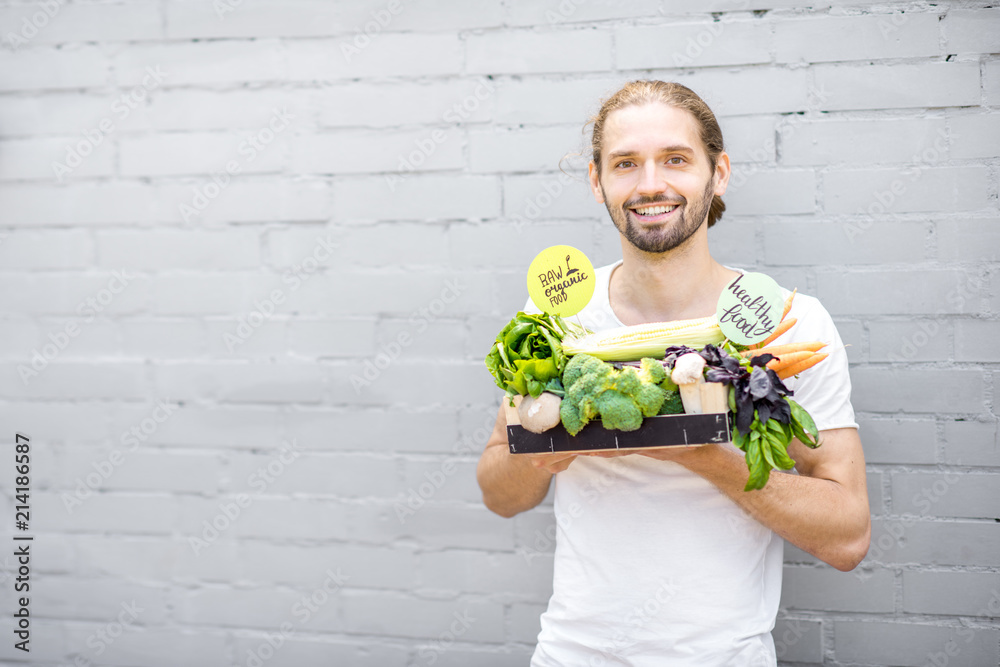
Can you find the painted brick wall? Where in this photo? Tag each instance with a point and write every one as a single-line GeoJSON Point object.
{"type": "Point", "coordinates": [252, 253]}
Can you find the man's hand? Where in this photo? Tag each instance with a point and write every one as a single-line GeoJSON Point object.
{"type": "Point", "coordinates": [677, 453]}
{"type": "Point", "coordinates": [514, 483]}
{"type": "Point", "coordinates": [551, 463]}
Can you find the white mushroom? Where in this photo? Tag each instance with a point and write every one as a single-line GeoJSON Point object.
{"type": "Point", "coordinates": [539, 414]}
{"type": "Point", "coordinates": [688, 374]}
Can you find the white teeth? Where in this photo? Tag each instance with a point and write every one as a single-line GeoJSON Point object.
{"type": "Point", "coordinates": [655, 210]}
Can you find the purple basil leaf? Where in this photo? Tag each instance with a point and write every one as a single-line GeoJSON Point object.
{"type": "Point", "coordinates": [744, 415]}
{"type": "Point", "coordinates": [760, 383]}
{"type": "Point", "coordinates": [761, 359]}
{"type": "Point", "coordinates": [783, 413]}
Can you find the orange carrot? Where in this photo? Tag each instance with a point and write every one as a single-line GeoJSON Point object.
{"type": "Point", "coordinates": [778, 350]}
{"type": "Point", "coordinates": [788, 303]}
{"type": "Point", "coordinates": [802, 365]}
{"type": "Point", "coordinates": [788, 360]}
{"type": "Point", "coordinates": [782, 327]}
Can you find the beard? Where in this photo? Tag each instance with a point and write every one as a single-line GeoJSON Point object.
{"type": "Point", "coordinates": [666, 236]}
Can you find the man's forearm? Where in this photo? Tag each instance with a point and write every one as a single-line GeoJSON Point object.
{"type": "Point", "coordinates": [510, 484]}
{"type": "Point", "coordinates": [820, 516]}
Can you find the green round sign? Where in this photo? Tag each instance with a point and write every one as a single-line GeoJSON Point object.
{"type": "Point", "coordinates": [750, 308]}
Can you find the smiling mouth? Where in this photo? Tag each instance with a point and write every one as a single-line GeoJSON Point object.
{"type": "Point", "coordinates": [654, 210]}
{"type": "Point", "coordinates": [654, 213]}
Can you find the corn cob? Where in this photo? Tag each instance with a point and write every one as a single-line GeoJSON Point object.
{"type": "Point", "coordinates": [645, 340]}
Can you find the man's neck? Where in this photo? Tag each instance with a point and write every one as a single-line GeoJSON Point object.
{"type": "Point", "coordinates": [683, 283]}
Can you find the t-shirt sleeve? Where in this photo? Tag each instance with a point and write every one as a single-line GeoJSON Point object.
{"type": "Point", "coordinates": [825, 389]}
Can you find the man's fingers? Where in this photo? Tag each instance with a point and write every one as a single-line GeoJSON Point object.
{"type": "Point", "coordinates": [552, 463]}
{"type": "Point", "coordinates": [561, 465]}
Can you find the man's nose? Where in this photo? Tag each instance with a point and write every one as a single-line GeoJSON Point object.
{"type": "Point", "coordinates": [652, 179]}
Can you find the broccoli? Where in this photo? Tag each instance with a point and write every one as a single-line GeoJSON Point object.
{"type": "Point", "coordinates": [649, 398]}
{"type": "Point", "coordinates": [619, 411]}
{"type": "Point", "coordinates": [570, 417]}
{"type": "Point", "coordinates": [627, 381]}
{"type": "Point", "coordinates": [620, 398]}
{"type": "Point", "coordinates": [652, 371]}
{"type": "Point", "coordinates": [672, 404]}
{"type": "Point", "coordinates": [584, 364]}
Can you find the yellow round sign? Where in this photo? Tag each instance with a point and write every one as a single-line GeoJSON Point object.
{"type": "Point", "coordinates": [561, 280]}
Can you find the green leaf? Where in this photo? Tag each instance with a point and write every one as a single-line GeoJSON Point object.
{"type": "Point", "coordinates": [781, 458]}
{"type": "Point", "coordinates": [803, 426]}
{"type": "Point", "coordinates": [556, 349]}
{"type": "Point", "coordinates": [535, 388]}
{"type": "Point", "coordinates": [759, 472]}
{"type": "Point", "coordinates": [555, 386]}
{"type": "Point", "coordinates": [741, 440]}
{"type": "Point", "coordinates": [516, 333]}
{"type": "Point", "coordinates": [519, 383]}
{"type": "Point", "coordinates": [765, 448]}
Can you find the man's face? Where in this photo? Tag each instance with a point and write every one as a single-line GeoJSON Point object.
{"type": "Point", "coordinates": [656, 178]}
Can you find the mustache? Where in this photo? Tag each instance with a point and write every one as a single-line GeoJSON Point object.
{"type": "Point", "coordinates": [645, 201]}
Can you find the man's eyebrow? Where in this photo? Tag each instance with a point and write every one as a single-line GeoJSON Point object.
{"type": "Point", "coordinates": [675, 148]}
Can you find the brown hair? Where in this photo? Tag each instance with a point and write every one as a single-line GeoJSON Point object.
{"type": "Point", "coordinates": [672, 94]}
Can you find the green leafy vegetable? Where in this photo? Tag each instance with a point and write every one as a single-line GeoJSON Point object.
{"type": "Point", "coordinates": [527, 356]}
{"type": "Point", "coordinates": [766, 417]}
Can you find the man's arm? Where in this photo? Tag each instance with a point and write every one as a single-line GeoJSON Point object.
{"type": "Point", "coordinates": [823, 510]}
{"type": "Point", "coordinates": [514, 483]}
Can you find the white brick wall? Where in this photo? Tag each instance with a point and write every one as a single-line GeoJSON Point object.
{"type": "Point", "coordinates": [383, 236]}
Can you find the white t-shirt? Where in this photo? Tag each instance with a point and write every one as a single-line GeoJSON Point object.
{"type": "Point", "coordinates": [654, 566]}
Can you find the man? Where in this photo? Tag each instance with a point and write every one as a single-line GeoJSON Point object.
{"type": "Point", "coordinates": [661, 557]}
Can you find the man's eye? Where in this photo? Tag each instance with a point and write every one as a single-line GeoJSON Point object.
{"type": "Point", "coordinates": [626, 163]}
{"type": "Point", "coordinates": [675, 160]}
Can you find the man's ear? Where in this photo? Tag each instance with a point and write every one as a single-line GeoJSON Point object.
{"type": "Point", "coordinates": [722, 173]}
{"type": "Point", "coordinates": [595, 182]}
